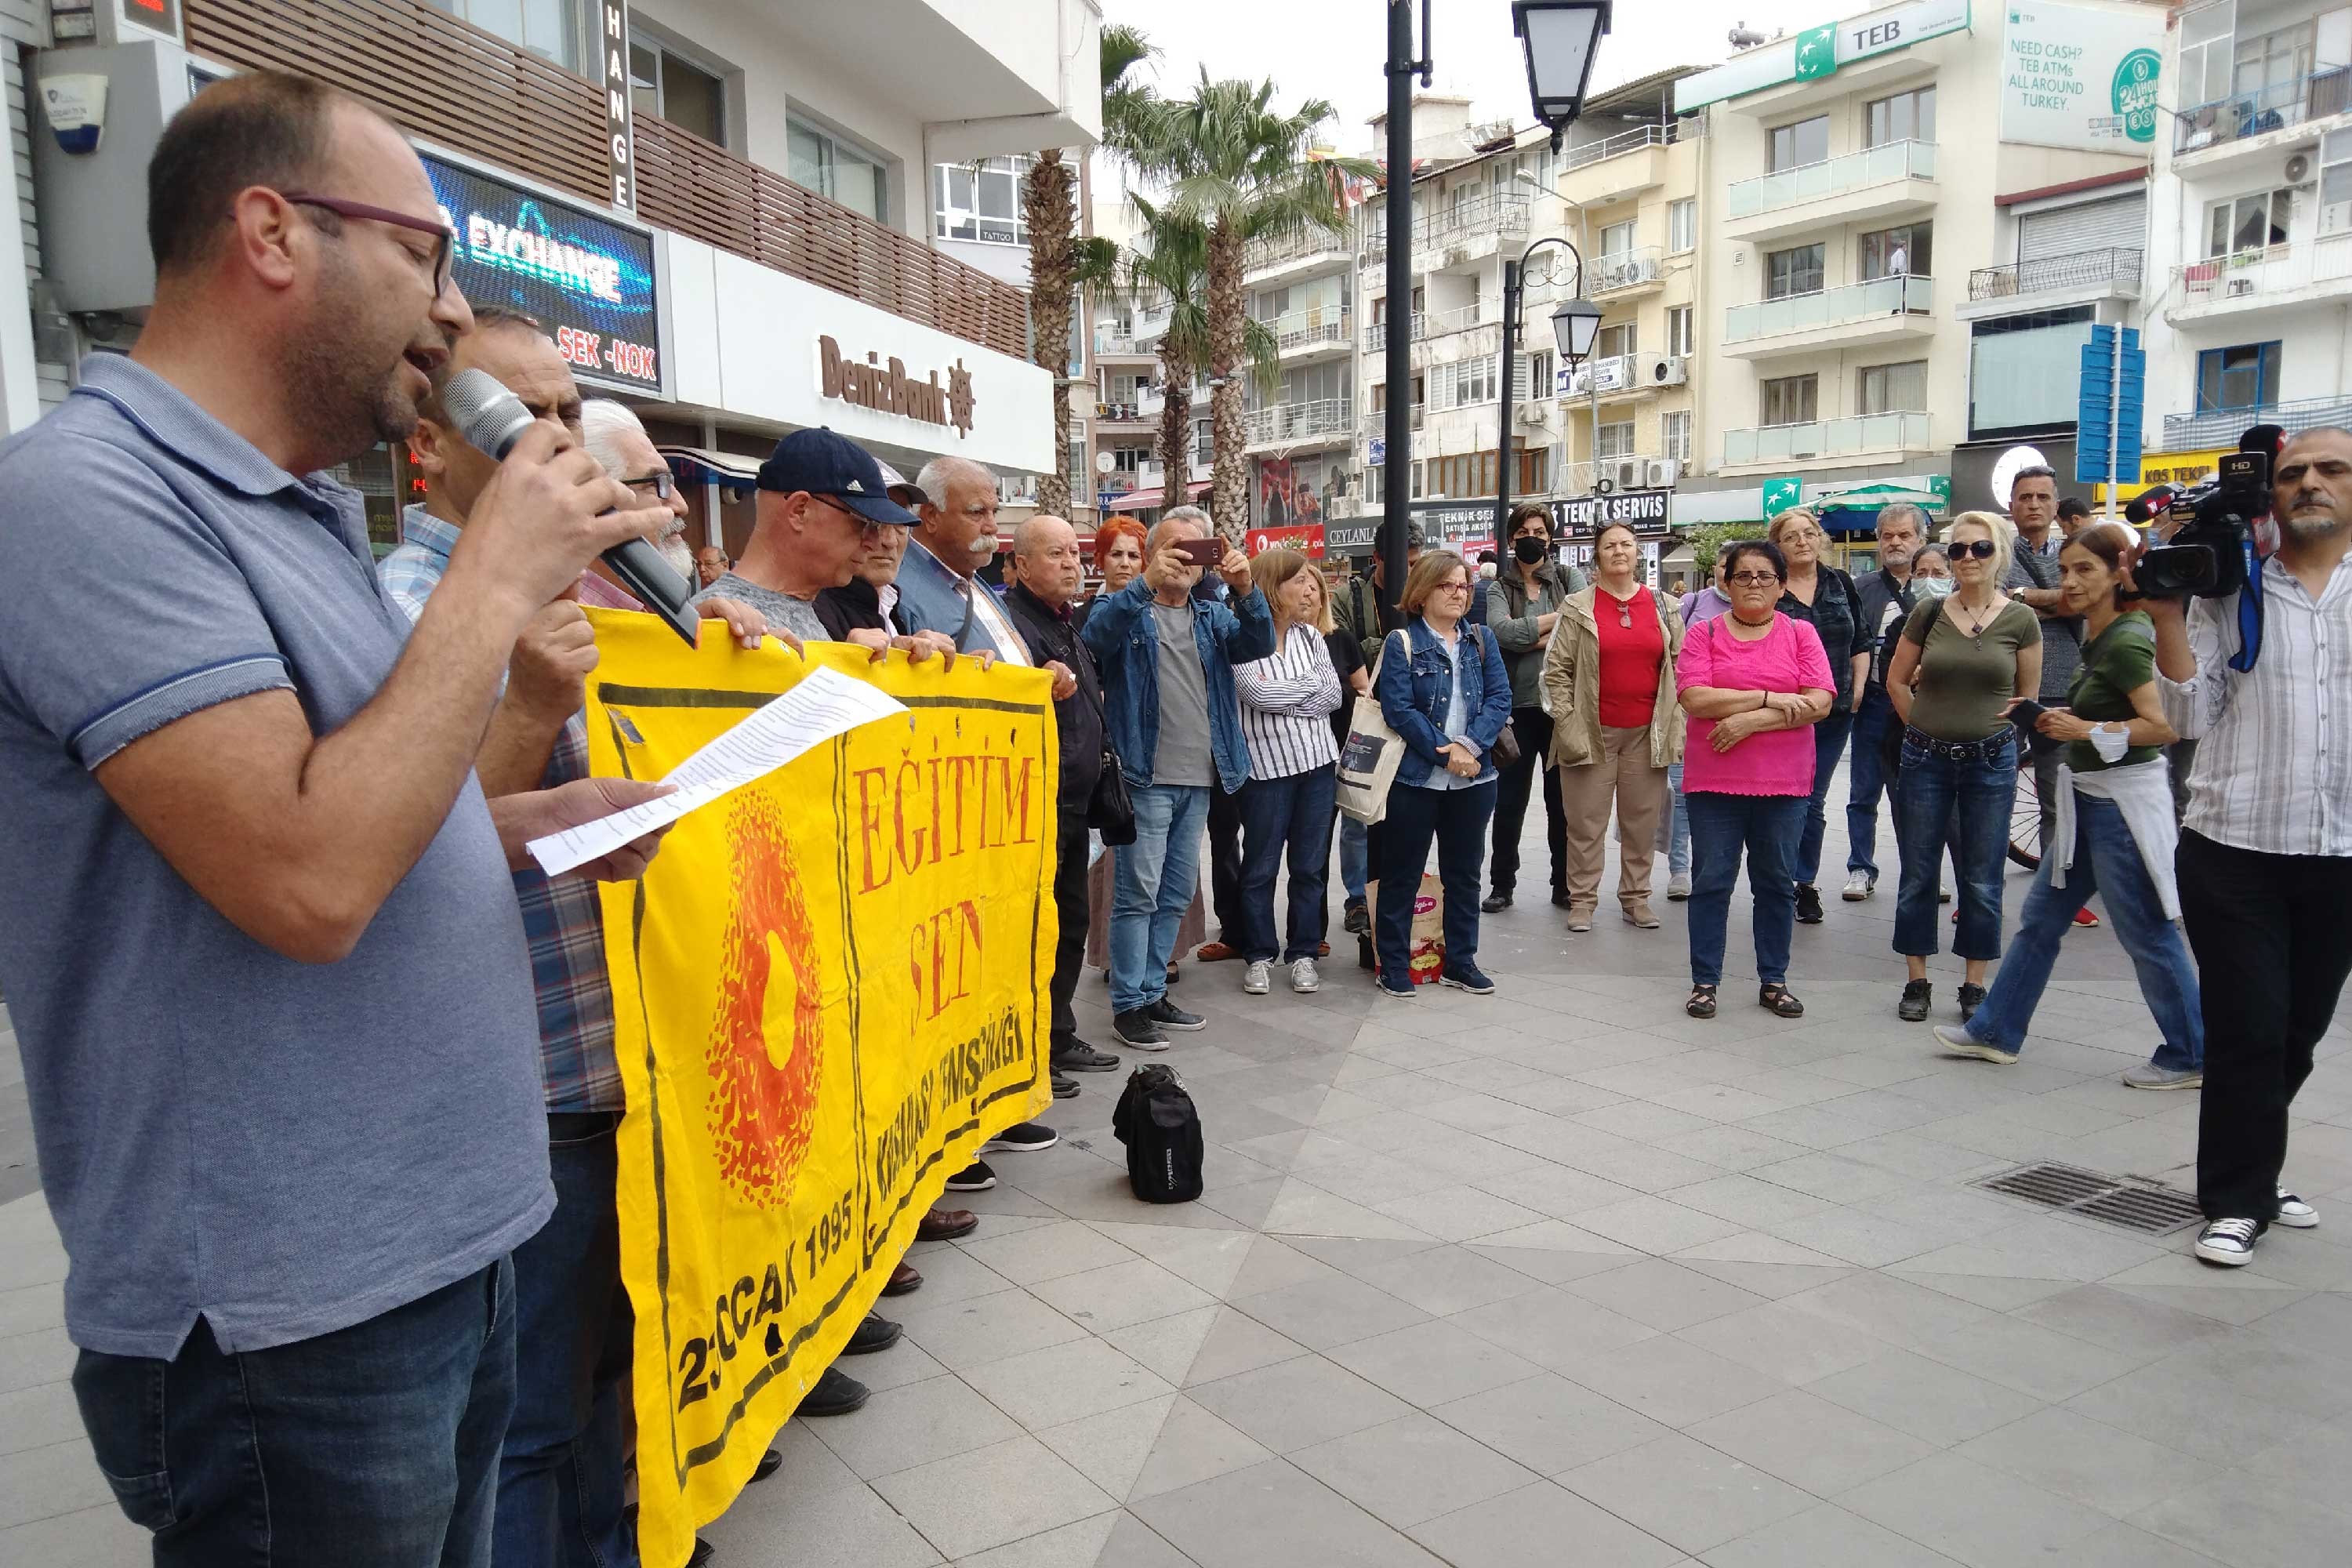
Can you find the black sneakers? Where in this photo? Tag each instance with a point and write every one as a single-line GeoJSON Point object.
{"type": "Point", "coordinates": [1022, 1138]}
{"type": "Point", "coordinates": [1466, 977]}
{"type": "Point", "coordinates": [975, 1177]}
{"type": "Point", "coordinates": [1916, 996]}
{"type": "Point", "coordinates": [1169, 1016]}
{"type": "Point", "coordinates": [872, 1335]}
{"type": "Point", "coordinates": [1080, 1057]}
{"type": "Point", "coordinates": [1808, 904]}
{"type": "Point", "coordinates": [1358, 918]}
{"type": "Point", "coordinates": [836, 1394]}
{"type": "Point", "coordinates": [1971, 998]}
{"type": "Point", "coordinates": [1136, 1031]}
{"type": "Point", "coordinates": [1497, 902]}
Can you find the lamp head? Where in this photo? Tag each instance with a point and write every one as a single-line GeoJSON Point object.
{"type": "Point", "coordinates": [1575, 324]}
{"type": "Point", "coordinates": [1559, 38]}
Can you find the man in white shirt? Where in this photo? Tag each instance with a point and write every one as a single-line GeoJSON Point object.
{"type": "Point", "coordinates": [2265, 857]}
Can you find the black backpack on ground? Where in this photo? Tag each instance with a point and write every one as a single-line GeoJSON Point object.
{"type": "Point", "coordinates": [1161, 1129]}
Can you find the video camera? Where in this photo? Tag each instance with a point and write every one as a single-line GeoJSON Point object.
{"type": "Point", "coordinates": [2209, 556]}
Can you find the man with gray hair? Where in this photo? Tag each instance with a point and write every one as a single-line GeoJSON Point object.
{"type": "Point", "coordinates": [617, 438]}
{"type": "Point", "coordinates": [938, 590]}
{"type": "Point", "coordinates": [1166, 662]}
{"type": "Point", "coordinates": [1885, 596]}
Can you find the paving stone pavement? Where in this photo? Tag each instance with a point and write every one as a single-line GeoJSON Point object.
{"type": "Point", "coordinates": [1557, 1277]}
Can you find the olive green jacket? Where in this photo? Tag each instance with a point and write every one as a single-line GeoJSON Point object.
{"type": "Point", "coordinates": [1571, 686]}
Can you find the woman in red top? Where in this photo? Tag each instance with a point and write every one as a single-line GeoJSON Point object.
{"type": "Point", "coordinates": [1609, 680]}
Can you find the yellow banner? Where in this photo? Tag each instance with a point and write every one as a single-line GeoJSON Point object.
{"type": "Point", "coordinates": [2161, 468]}
{"type": "Point", "coordinates": [830, 989]}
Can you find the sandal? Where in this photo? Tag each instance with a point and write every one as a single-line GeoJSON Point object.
{"type": "Point", "coordinates": [1778, 999]}
{"type": "Point", "coordinates": [1702, 1001]}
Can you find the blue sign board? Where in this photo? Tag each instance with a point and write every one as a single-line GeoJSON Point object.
{"type": "Point", "coordinates": [1376, 452]}
{"type": "Point", "coordinates": [2093, 435]}
{"type": "Point", "coordinates": [587, 279]}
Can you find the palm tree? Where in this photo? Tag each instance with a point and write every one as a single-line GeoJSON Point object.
{"type": "Point", "coordinates": [1173, 266]}
{"type": "Point", "coordinates": [1242, 173]}
{"type": "Point", "coordinates": [1061, 263]}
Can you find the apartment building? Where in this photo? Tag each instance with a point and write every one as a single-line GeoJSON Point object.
{"type": "Point", "coordinates": [1623, 190]}
{"type": "Point", "coordinates": [1911, 216]}
{"type": "Point", "coordinates": [2250, 228]}
{"type": "Point", "coordinates": [1299, 433]}
{"type": "Point", "coordinates": [738, 236]}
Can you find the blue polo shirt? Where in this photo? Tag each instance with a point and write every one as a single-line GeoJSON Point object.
{"type": "Point", "coordinates": [281, 1148]}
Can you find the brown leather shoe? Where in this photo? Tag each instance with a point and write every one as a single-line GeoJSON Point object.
{"type": "Point", "coordinates": [945, 1224]}
{"type": "Point", "coordinates": [903, 1281]}
{"type": "Point", "coordinates": [1214, 952]}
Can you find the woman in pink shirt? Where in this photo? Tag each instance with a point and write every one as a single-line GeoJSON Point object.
{"type": "Point", "coordinates": [1753, 682]}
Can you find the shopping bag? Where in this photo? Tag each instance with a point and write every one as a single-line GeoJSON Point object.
{"type": "Point", "coordinates": [1425, 941]}
{"type": "Point", "coordinates": [1368, 762]}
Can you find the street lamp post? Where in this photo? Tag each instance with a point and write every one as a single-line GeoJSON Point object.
{"type": "Point", "coordinates": [1396, 492]}
{"type": "Point", "coordinates": [1574, 326]}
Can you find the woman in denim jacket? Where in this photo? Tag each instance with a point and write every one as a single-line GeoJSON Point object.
{"type": "Point", "coordinates": [1444, 689]}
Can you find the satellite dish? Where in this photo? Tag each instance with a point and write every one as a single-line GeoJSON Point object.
{"type": "Point", "coordinates": [2004, 472]}
{"type": "Point", "coordinates": [1103, 462]}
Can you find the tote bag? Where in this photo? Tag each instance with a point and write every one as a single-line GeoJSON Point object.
{"type": "Point", "coordinates": [1368, 761]}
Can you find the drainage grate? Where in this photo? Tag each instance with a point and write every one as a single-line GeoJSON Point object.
{"type": "Point", "coordinates": [2119, 1200]}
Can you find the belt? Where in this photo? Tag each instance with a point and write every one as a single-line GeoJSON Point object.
{"type": "Point", "coordinates": [1958, 751]}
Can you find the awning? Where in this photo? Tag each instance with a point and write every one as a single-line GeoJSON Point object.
{"type": "Point", "coordinates": [1147, 499]}
{"type": "Point", "coordinates": [697, 464]}
{"type": "Point", "coordinates": [1871, 497]}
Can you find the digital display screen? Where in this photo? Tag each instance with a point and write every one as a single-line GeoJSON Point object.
{"type": "Point", "coordinates": [590, 281]}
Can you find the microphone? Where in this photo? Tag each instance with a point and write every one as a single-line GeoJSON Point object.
{"type": "Point", "coordinates": [492, 419]}
{"type": "Point", "coordinates": [2148, 503]}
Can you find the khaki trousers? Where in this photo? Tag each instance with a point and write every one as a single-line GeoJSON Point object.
{"type": "Point", "coordinates": [1620, 775]}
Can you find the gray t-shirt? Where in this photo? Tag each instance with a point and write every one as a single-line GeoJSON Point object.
{"type": "Point", "coordinates": [797, 616]}
{"type": "Point", "coordinates": [283, 1149]}
{"type": "Point", "coordinates": [2062, 635]}
{"type": "Point", "coordinates": [1183, 755]}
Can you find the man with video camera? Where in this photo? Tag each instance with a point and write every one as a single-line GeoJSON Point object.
{"type": "Point", "coordinates": [2265, 856]}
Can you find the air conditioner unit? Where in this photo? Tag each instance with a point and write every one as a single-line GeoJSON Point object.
{"type": "Point", "coordinates": [1660, 473]}
{"type": "Point", "coordinates": [1534, 413]}
{"type": "Point", "coordinates": [1665, 370]}
{"type": "Point", "coordinates": [2298, 169]}
{"type": "Point", "coordinates": [1622, 473]}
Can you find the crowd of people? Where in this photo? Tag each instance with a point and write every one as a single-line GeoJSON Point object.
{"type": "Point", "coordinates": [295, 802]}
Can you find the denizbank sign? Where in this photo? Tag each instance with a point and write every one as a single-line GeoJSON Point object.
{"type": "Point", "coordinates": [1819, 51]}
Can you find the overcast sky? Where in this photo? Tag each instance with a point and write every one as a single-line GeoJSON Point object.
{"type": "Point", "coordinates": [1333, 49]}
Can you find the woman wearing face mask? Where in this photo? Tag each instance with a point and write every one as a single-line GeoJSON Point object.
{"type": "Point", "coordinates": [1523, 606]}
{"type": "Point", "coordinates": [1826, 598]}
{"type": "Point", "coordinates": [1960, 660]}
{"type": "Point", "coordinates": [2116, 831]}
{"type": "Point", "coordinates": [1610, 677]}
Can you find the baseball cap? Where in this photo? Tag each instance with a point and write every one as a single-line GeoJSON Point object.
{"type": "Point", "coordinates": [898, 488]}
{"type": "Point", "coordinates": [834, 467]}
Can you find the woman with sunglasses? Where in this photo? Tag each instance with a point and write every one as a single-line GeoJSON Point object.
{"type": "Point", "coordinates": [1443, 690]}
{"type": "Point", "coordinates": [1961, 661]}
{"type": "Point", "coordinates": [1609, 678]}
{"type": "Point", "coordinates": [1753, 682]}
{"type": "Point", "coordinates": [2115, 833]}
{"type": "Point", "coordinates": [1821, 595]}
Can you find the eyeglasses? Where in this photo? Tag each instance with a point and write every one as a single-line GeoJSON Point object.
{"type": "Point", "coordinates": [860, 518]}
{"type": "Point", "coordinates": [445, 253]}
{"type": "Point", "coordinates": [1982, 549]}
{"type": "Point", "coordinates": [1453, 588]}
{"type": "Point", "coordinates": [662, 484]}
{"type": "Point", "coordinates": [1753, 579]}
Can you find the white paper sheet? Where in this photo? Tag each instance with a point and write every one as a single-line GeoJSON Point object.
{"type": "Point", "coordinates": [827, 703]}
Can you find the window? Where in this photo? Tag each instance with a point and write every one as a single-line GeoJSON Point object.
{"type": "Point", "coordinates": [2335, 183]}
{"type": "Point", "coordinates": [1416, 482]}
{"type": "Point", "coordinates": [1905, 117]}
{"type": "Point", "coordinates": [1673, 434]}
{"type": "Point", "coordinates": [1682, 224]}
{"type": "Point", "coordinates": [2246, 376]}
{"type": "Point", "coordinates": [1806, 142]}
{"type": "Point", "coordinates": [1788, 400]}
{"type": "Point", "coordinates": [1204, 448]}
{"type": "Point", "coordinates": [2024, 372]}
{"type": "Point", "coordinates": [550, 28]}
{"type": "Point", "coordinates": [1796, 271]}
{"type": "Point", "coordinates": [1612, 343]}
{"type": "Point", "coordinates": [1540, 379]}
{"type": "Point", "coordinates": [1682, 332]}
{"type": "Point", "coordinates": [1270, 304]}
{"type": "Point", "coordinates": [1617, 440]}
{"type": "Point", "coordinates": [1468, 474]}
{"type": "Point", "coordinates": [1379, 397]}
{"type": "Point", "coordinates": [1074, 463]}
{"type": "Point", "coordinates": [1893, 388]}
{"type": "Point", "coordinates": [1465, 382]}
{"type": "Point", "coordinates": [2273, 59]}
{"type": "Point", "coordinates": [665, 84]}
{"type": "Point", "coordinates": [1535, 470]}
{"type": "Point", "coordinates": [980, 201]}
{"type": "Point", "coordinates": [2205, 49]}
{"type": "Point", "coordinates": [2247, 223]}
{"type": "Point", "coordinates": [1897, 252]}
{"type": "Point", "coordinates": [831, 167]}
{"type": "Point", "coordinates": [1616, 239]}
{"type": "Point", "coordinates": [1128, 460]}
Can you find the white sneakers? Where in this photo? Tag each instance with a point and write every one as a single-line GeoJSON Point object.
{"type": "Point", "coordinates": [1858, 887]}
{"type": "Point", "coordinates": [2231, 1242]}
{"type": "Point", "coordinates": [1258, 978]}
{"type": "Point", "coordinates": [2295, 1214]}
{"type": "Point", "coordinates": [1304, 978]}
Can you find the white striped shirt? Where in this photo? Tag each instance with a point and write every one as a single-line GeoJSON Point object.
{"type": "Point", "coordinates": [1286, 702]}
{"type": "Point", "coordinates": [2274, 771]}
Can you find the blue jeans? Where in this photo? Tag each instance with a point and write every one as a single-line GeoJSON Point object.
{"type": "Point", "coordinates": [1769, 827]}
{"type": "Point", "coordinates": [373, 1446]}
{"type": "Point", "coordinates": [1155, 877]}
{"type": "Point", "coordinates": [1865, 778]}
{"type": "Point", "coordinates": [2106, 860]}
{"type": "Point", "coordinates": [1976, 797]}
{"type": "Point", "coordinates": [1457, 819]}
{"type": "Point", "coordinates": [1355, 856]}
{"type": "Point", "coordinates": [1673, 824]}
{"type": "Point", "coordinates": [561, 1474]}
{"type": "Point", "coordinates": [1289, 814]}
{"type": "Point", "coordinates": [1829, 744]}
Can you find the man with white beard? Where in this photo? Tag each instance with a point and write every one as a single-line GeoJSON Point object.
{"type": "Point", "coordinates": [617, 438]}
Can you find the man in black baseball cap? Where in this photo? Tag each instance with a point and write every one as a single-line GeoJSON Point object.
{"type": "Point", "coordinates": [822, 496]}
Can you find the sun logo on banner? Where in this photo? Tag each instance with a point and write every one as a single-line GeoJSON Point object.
{"type": "Point", "coordinates": [767, 1045]}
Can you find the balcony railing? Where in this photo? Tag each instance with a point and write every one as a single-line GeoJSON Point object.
{"type": "Point", "coordinates": [1310, 241]}
{"type": "Point", "coordinates": [1310, 329]}
{"type": "Point", "coordinates": [1300, 421]}
{"type": "Point", "coordinates": [2048, 274]}
{"type": "Point", "coordinates": [1833, 176]}
{"type": "Point", "coordinates": [1111, 341]}
{"type": "Point", "coordinates": [2252, 273]}
{"type": "Point", "coordinates": [1143, 409]}
{"type": "Point", "coordinates": [1631, 268]}
{"type": "Point", "coordinates": [1426, 325]}
{"type": "Point", "coordinates": [438, 77]}
{"type": "Point", "coordinates": [1881, 297]}
{"type": "Point", "coordinates": [2270, 108]}
{"type": "Point", "coordinates": [1825, 439]}
{"type": "Point", "coordinates": [2222, 427]}
{"type": "Point", "coordinates": [1494, 212]}
{"type": "Point", "coordinates": [1626, 141]}
{"type": "Point", "coordinates": [1617, 372]}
